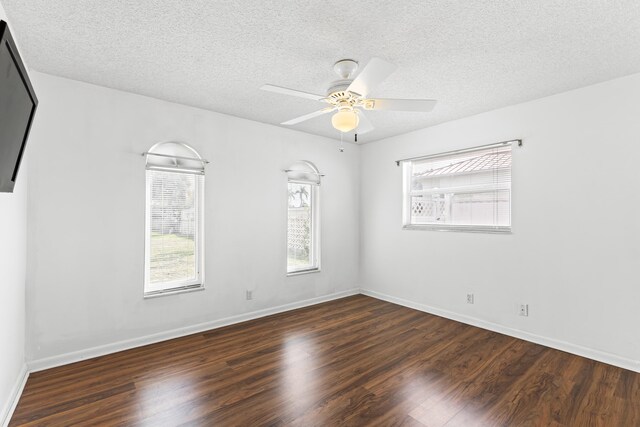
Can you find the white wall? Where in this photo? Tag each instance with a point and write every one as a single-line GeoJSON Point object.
{"type": "Point", "coordinates": [13, 256]}
{"type": "Point", "coordinates": [573, 255]}
{"type": "Point", "coordinates": [86, 216]}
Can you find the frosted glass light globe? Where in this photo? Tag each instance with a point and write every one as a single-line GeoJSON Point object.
{"type": "Point", "coordinates": [345, 120]}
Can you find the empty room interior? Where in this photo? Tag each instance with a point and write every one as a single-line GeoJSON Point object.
{"type": "Point", "coordinates": [319, 213]}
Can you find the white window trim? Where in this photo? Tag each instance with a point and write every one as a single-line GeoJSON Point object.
{"type": "Point", "coordinates": [173, 291]}
{"type": "Point", "coordinates": [315, 230]}
{"type": "Point", "coordinates": [460, 228]}
{"type": "Point", "coordinates": [197, 284]}
{"type": "Point", "coordinates": [406, 199]}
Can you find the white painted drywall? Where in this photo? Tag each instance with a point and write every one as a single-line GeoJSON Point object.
{"type": "Point", "coordinates": [13, 257]}
{"type": "Point", "coordinates": [573, 255]}
{"type": "Point", "coordinates": [86, 216]}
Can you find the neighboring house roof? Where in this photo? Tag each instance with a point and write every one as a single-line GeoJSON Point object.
{"type": "Point", "coordinates": [477, 164]}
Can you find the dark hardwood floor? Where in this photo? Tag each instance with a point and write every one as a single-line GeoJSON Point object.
{"type": "Point", "coordinates": [355, 361]}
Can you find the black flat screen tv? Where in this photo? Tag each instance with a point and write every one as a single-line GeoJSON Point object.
{"type": "Point", "coordinates": [18, 104]}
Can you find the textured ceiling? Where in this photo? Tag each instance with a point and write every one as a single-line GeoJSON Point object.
{"type": "Point", "coordinates": [472, 56]}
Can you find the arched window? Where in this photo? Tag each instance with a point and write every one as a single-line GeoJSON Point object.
{"type": "Point", "coordinates": [174, 219]}
{"type": "Point", "coordinates": [303, 218]}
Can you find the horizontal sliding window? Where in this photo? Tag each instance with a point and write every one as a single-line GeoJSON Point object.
{"type": "Point", "coordinates": [468, 190]}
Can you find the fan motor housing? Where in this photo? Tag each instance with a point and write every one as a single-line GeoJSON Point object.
{"type": "Point", "coordinates": [338, 86]}
{"type": "Point", "coordinates": [343, 99]}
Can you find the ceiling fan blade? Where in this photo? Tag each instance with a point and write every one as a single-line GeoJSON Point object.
{"type": "Point", "coordinates": [364, 125]}
{"type": "Point", "coordinates": [371, 76]}
{"type": "Point", "coordinates": [307, 116]}
{"type": "Point", "coordinates": [292, 92]}
{"type": "Point", "coordinates": [421, 105]}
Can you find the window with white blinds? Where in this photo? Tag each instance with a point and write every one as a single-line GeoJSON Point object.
{"type": "Point", "coordinates": [467, 190]}
{"type": "Point", "coordinates": [173, 249]}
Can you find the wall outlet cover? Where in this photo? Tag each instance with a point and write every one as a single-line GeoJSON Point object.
{"type": "Point", "coordinates": [524, 310]}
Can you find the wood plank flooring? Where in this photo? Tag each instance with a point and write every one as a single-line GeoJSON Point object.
{"type": "Point", "coordinates": [354, 361]}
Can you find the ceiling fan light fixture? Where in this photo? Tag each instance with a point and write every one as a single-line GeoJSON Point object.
{"type": "Point", "coordinates": [349, 96]}
{"type": "Point", "coordinates": [345, 120]}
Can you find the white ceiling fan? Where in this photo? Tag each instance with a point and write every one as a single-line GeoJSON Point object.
{"type": "Point", "coordinates": [348, 96]}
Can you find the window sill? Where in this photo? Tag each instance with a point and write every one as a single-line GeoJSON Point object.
{"type": "Point", "coordinates": [459, 228]}
{"type": "Point", "coordinates": [300, 272]}
{"type": "Point", "coordinates": [156, 294]}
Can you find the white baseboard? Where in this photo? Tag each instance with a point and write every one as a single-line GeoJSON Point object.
{"type": "Point", "coordinates": [16, 392]}
{"type": "Point", "coordinates": [600, 356]}
{"type": "Point", "coordinates": [76, 356]}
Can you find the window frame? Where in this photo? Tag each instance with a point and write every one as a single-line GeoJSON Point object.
{"type": "Point", "coordinates": [314, 245]}
{"type": "Point", "coordinates": [177, 286]}
{"type": "Point", "coordinates": [406, 197]}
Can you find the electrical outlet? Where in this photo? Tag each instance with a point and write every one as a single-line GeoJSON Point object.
{"type": "Point", "coordinates": [469, 298]}
{"type": "Point", "coordinates": [249, 295]}
{"type": "Point", "coordinates": [524, 310]}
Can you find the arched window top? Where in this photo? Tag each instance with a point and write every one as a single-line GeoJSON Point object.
{"type": "Point", "coordinates": [175, 156]}
{"type": "Point", "coordinates": [304, 170]}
